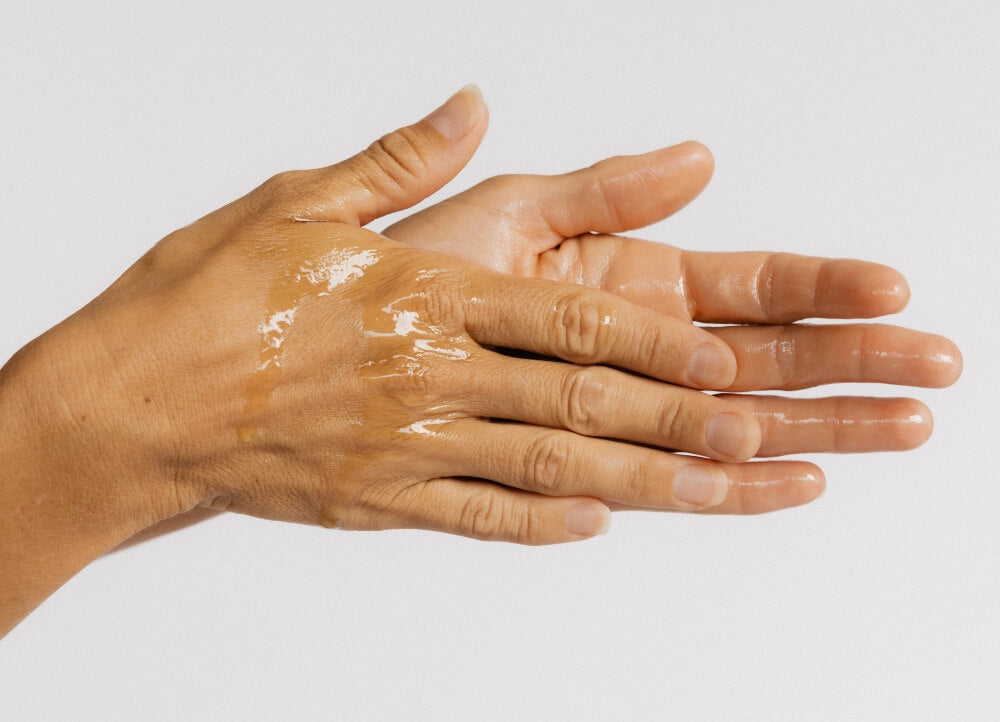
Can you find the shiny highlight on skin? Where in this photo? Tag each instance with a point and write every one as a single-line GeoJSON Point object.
{"type": "Point", "coordinates": [403, 318]}
{"type": "Point", "coordinates": [302, 279]}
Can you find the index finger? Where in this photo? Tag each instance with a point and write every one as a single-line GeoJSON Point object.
{"type": "Point", "coordinates": [587, 326]}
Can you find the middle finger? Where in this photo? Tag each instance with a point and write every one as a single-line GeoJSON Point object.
{"type": "Point", "coordinates": [604, 402]}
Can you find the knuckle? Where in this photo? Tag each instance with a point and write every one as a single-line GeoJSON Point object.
{"type": "Point", "coordinates": [407, 382]}
{"type": "Point", "coordinates": [578, 325]}
{"type": "Point", "coordinates": [377, 505]}
{"type": "Point", "coordinates": [441, 304]}
{"type": "Point", "coordinates": [838, 433]}
{"type": "Point", "coordinates": [480, 516]}
{"type": "Point", "coordinates": [786, 358]}
{"type": "Point", "coordinates": [529, 526]}
{"type": "Point", "coordinates": [283, 183]}
{"type": "Point", "coordinates": [671, 424]}
{"type": "Point", "coordinates": [607, 189]}
{"type": "Point", "coordinates": [398, 156]}
{"type": "Point", "coordinates": [636, 482]}
{"type": "Point", "coordinates": [411, 387]}
{"type": "Point", "coordinates": [657, 343]}
{"type": "Point", "coordinates": [278, 190]}
{"type": "Point", "coordinates": [584, 396]}
{"type": "Point", "coordinates": [764, 290]}
{"type": "Point", "coordinates": [867, 362]}
{"type": "Point", "coordinates": [546, 463]}
{"type": "Point", "coordinates": [488, 516]}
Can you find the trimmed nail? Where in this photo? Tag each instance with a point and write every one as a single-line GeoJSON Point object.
{"type": "Point", "coordinates": [730, 435]}
{"type": "Point", "coordinates": [588, 519]}
{"type": "Point", "coordinates": [459, 113]}
{"type": "Point", "coordinates": [709, 367]}
{"type": "Point", "coordinates": [700, 485]}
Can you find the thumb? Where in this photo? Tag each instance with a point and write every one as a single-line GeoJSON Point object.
{"type": "Point", "coordinates": [399, 169]}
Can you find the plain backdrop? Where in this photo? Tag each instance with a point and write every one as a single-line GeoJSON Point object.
{"type": "Point", "coordinates": [858, 129]}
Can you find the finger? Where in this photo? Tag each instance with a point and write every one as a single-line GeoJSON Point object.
{"type": "Point", "coordinates": [593, 327]}
{"type": "Point", "coordinates": [842, 424]}
{"type": "Point", "coordinates": [783, 287]}
{"type": "Point", "coordinates": [396, 171]}
{"type": "Point", "coordinates": [482, 510]}
{"type": "Point", "coordinates": [560, 463]}
{"type": "Point", "coordinates": [800, 356]}
{"type": "Point", "coordinates": [626, 192]}
{"type": "Point", "coordinates": [745, 287]}
{"type": "Point", "coordinates": [759, 487]}
{"type": "Point", "coordinates": [598, 401]}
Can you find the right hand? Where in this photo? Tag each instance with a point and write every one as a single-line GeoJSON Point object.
{"type": "Point", "coordinates": [566, 228]}
{"type": "Point", "coordinates": [277, 359]}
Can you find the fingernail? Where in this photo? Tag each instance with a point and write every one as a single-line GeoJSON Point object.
{"type": "Point", "coordinates": [456, 117]}
{"type": "Point", "coordinates": [588, 519]}
{"type": "Point", "coordinates": [701, 485]}
{"type": "Point", "coordinates": [709, 367]}
{"type": "Point", "coordinates": [731, 435]}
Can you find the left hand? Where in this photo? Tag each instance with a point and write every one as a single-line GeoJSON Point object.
{"type": "Point", "coordinates": [560, 228]}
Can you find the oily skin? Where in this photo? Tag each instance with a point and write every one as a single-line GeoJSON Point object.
{"type": "Point", "coordinates": [252, 362]}
{"type": "Point", "coordinates": [563, 228]}
{"type": "Point", "coordinates": [190, 384]}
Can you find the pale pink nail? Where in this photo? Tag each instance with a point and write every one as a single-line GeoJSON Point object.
{"type": "Point", "coordinates": [730, 435]}
{"type": "Point", "coordinates": [700, 485]}
{"type": "Point", "coordinates": [710, 367]}
{"type": "Point", "coordinates": [459, 113]}
{"type": "Point", "coordinates": [588, 519]}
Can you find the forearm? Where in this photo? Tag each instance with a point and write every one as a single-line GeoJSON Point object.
{"type": "Point", "coordinates": [59, 509]}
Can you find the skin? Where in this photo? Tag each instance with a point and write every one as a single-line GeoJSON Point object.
{"type": "Point", "coordinates": [277, 359]}
{"type": "Point", "coordinates": [564, 228]}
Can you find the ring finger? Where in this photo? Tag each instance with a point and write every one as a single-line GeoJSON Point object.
{"type": "Point", "coordinates": [801, 355]}
{"type": "Point", "coordinates": [554, 462]}
{"type": "Point", "coordinates": [561, 463]}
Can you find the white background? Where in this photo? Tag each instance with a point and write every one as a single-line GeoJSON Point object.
{"type": "Point", "coordinates": [847, 129]}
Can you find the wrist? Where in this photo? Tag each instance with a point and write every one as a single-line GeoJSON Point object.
{"type": "Point", "coordinates": [69, 492]}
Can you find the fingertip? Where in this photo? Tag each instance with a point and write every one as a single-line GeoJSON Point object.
{"type": "Point", "coordinates": [946, 364]}
{"type": "Point", "coordinates": [587, 519]}
{"type": "Point", "coordinates": [734, 435]}
{"type": "Point", "coordinates": [889, 290]}
{"type": "Point", "coordinates": [812, 482]}
{"type": "Point", "coordinates": [848, 288]}
{"type": "Point", "coordinates": [699, 155]}
{"type": "Point", "coordinates": [461, 114]}
{"type": "Point", "coordinates": [712, 366]}
{"type": "Point", "coordinates": [805, 486]}
{"type": "Point", "coordinates": [914, 424]}
{"type": "Point", "coordinates": [785, 485]}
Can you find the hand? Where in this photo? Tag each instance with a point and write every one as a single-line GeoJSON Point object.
{"type": "Point", "coordinates": [560, 228]}
{"type": "Point", "coordinates": [277, 359]}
